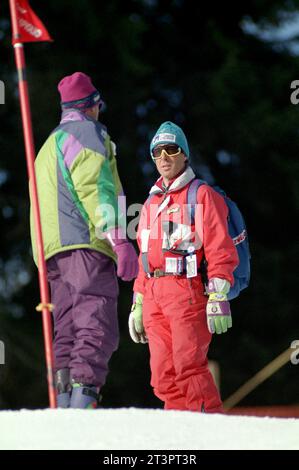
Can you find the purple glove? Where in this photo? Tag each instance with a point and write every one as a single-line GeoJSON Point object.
{"type": "Point", "coordinates": [127, 261]}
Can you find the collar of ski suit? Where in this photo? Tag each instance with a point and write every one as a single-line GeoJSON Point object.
{"type": "Point", "coordinates": [74, 115]}
{"type": "Point", "coordinates": [180, 182]}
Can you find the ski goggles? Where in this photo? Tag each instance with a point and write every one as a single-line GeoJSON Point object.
{"type": "Point", "coordinates": [171, 150]}
{"type": "Point", "coordinates": [84, 103]}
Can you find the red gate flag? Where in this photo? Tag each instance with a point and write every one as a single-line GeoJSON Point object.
{"type": "Point", "coordinates": [31, 29]}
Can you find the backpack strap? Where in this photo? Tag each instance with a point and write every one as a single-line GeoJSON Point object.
{"type": "Point", "coordinates": [192, 197]}
{"type": "Point", "coordinates": [191, 207]}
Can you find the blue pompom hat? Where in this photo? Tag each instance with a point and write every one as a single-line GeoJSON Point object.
{"type": "Point", "coordinates": [170, 133]}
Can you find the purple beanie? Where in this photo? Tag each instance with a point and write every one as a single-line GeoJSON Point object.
{"type": "Point", "coordinates": [77, 91]}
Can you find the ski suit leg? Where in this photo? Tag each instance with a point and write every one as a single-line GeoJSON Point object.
{"type": "Point", "coordinates": [190, 343]}
{"type": "Point", "coordinates": [163, 374]}
{"type": "Point", "coordinates": [62, 315]}
{"type": "Point", "coordinates": [93, 286]}
{"type": "Point", "coordinates": [94, 293]}
{"type": "Point", "coordinates": [183, 305]}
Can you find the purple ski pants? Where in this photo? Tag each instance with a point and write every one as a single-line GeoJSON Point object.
{"type": "Point", "coordinates": [84, 291]}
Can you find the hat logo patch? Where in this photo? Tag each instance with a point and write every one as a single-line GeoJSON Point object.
{"type": "Point", "coordinates": [161, 137]}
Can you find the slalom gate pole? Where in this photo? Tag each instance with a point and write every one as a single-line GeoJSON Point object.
{"type": "Point", "coordinates": [45, 307]}
{"type": "Point", "coordinates": [257, 379]}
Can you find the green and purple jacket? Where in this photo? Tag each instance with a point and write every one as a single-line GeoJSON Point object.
{"type": "Point", "coordinates": [77, 178]}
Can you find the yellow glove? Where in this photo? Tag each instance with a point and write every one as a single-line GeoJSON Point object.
{"type": "Point", "coordinates": [136, 328]}
{"type": "Point", "coordinates": [218, 309]}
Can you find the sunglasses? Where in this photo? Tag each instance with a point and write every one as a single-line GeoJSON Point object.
{"type": "Point", "coordinates": [171, 150]}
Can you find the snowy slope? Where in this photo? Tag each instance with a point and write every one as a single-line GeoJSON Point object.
{"type": "Point", "coordinates": [131, 428]}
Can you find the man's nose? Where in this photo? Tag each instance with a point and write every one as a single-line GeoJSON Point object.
{"type": "Point", "coordinates": [164, 154]}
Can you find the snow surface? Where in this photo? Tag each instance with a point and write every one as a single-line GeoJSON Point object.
{"type": "Point", "coordinates": [135, 428]}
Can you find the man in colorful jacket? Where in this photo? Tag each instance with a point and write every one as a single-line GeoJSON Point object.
{"type": "Point", "coordinates": [171, 309]}
{"type": "Point", "coordinates": [83, 234]}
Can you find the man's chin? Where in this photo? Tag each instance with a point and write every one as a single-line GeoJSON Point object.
{"type": "Point", "coordinates": [168, 174]}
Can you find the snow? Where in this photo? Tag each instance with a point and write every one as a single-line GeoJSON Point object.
{"type": "Point", "coordinates": [146, 429]}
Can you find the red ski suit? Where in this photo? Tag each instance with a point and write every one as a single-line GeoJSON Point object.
{"type": "Point", "coordinates": [174, 306]}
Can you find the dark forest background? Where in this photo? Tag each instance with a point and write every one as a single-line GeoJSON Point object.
{"type": "Point", "coordinates": [208, 67]}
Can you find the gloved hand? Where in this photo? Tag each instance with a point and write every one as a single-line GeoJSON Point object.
{"type": "Point", "coordinates": [218, 309]}
{"type": "Point", "coordinates": [127, 261]}
{"type": "Point", "coordinates": [136, 329]}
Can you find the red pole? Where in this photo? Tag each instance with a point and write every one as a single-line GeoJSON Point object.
{"type": "Point", "coordinates": [30, 157]}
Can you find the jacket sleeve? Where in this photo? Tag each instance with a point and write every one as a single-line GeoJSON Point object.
{"type": "Point", "coordinates": [140, 281]}
{"type": "Point", "coordinates": [97, 186]}
{"type": "Point", "coordinates": [111, 155]}
{"type": "Point", "coordinates": [94, 188]}
{"type": "Point", "coordinates": [219, 250]}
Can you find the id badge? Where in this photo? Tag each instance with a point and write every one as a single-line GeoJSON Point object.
{"type": "Point", "coordinates": [191, 266]}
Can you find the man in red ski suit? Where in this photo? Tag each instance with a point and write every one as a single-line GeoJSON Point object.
{"type": "Point", "coordinates": [172, 309]}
